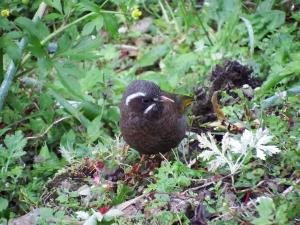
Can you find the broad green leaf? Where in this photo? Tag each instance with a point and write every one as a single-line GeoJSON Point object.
{"type": "Point", "coordinates": [110, 24]}
{"type": "Point", "coordinates": [277, 18]}
{"type": "Point", "coordinates": [250, 34]}
{"type": "Point", "coordinates": [68, 139]}
{"type": "Point", "coordinates": [89, 6]}
{"type": "Point", "coordinates": [4, 23]}
{"type": "Point", "coordinates": [265, 210]}
{"type": "Point", "coordinates": [281, 214]}
{"type": "Point", "coordinates": [53, 16]}
{"type": "Point", "coordinates": [73, 111]}
{"type": "Point", "coordinates": [92, 79]}
{"type": "Point", "coordinates": [292, 68]}
{"type": "Point", "coordinates": [36, 48]}
{"type": "Point", "coordinates": [265, 6]}
{"type": "Point", "coordinates": [55, 4]}
{"type": "Point", "coordinates": [64, 44]}
{"type": "Point", "coordinates": [27, 25]}
{"type": "Point", "coordinates": [44, 66]}
{"type": "Point", "coordinates": [14, 35]}
{"type": "Point", "coordinates": [70, 82]}
{"type": "Point", "coordinates": [15, 143]}
{"type": "Point", "coordinates": [4, 130]}
{"type": "Point", "coordinates": [90, 110]}
{"type": "Point", "coordinates": [93, 130]}
{"type": "Point", "coordinates": [153, 55]}
{"type": "Point", "coordinates": [44, 152]}
{"type": "Point", "coordinates": [177, 66]}
{"type": "Point", "coordinates": [38, 30]}
{"type": "Point", "coordinates": [12, 49]}
{"type": "Point", "coordinates": [3, 204]}
{"type": "Point", "coordinates": [37, 125]}
{"type": "Point", "coordinates": [46, 213]}
{"type": "Point", "coordinates": [83, 50]}
{"type": "Point", "coordinates": [96, 23]}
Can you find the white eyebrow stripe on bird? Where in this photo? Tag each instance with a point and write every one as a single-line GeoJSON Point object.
{"type": "Point", "coordinates": [149, 108]}
{"type": "Point", "coordinates": [133, 96]}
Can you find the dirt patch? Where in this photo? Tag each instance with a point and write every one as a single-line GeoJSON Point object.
{"type": "Point", "coordinates": [224, 77]}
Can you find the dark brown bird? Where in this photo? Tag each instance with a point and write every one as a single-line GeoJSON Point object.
{"type": "Point", "coordinates": [151, 119]}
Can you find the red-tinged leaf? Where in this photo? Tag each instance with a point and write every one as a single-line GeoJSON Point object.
{"type": "Point", "coordinates": [100, 165]}
{"type": "Point", "coordinates": [103, 209]}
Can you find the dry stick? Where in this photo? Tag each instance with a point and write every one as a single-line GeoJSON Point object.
{"type": "Point", "coordinates": [290, 189]}
{"type": "Point", "coordinates": [125, 205]}
{"type": "Point", "coordinates": [48, 128]}
{"type": "Point", "coordinates": [12, 68]}
{"type": "Point", "coordinates": [209, 183]}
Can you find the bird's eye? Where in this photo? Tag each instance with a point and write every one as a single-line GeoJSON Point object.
{"type": "Point", "coordinates": [146, 100]}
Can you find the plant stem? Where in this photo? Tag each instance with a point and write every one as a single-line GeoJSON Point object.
{"type": "Point", "coordinates": [12, 68]}
{"type": "Point", "coordinates": [1, 65]}
{"type": "Point", "coordinates": [173, 16]}
{"type": "Point", "coordinates": [164, 12]}
{"type": "Point", "coordinates": [201, 24]}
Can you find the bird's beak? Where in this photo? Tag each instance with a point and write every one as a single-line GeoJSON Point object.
{"type": "Point", "coordinates": [163, 98]}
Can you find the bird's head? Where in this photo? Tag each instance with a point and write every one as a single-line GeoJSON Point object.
{"type": "Point", "coordinates": [145, 99]}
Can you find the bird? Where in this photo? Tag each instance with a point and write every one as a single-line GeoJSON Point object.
{"type": "Point", "coordinates": [152, 120]}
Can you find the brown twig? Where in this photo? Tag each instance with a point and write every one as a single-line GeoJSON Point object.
{"type": "Point", "coordinates": [48, 128]}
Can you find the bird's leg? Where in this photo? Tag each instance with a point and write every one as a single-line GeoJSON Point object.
{"type": "Point", "coordinates": [137, 167]}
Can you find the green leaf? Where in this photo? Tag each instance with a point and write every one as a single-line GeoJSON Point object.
{"type": "Point", "coordinates": [89, 6]}
{"type": "Point", "coordinates": [44, 65]}
{"type": "Point", "coordinates": [55, 4]}
{"type": "Point", "coordinates": [281, 214]}
{"type": "Point", "coordinates": [3, 204]}
{"type": "Point", "coordinates": [44, 152]}
{"type": "Point", "coordinates": [11, 48]}
{"type": "Point", "coordinates": [27, 25]}
{"type": "Point", "coordinates": [15, 144]}
{"type": "Point", "coordinates": [37, 125]}
{"type": "Point", "coordinates": [177, 66]}
{"type": "Point", "coordinates": [46, 213]}
{"type": "Point", "coordinates": [38, 30]}
{"type": "Point", "coordinates": [96, 23]}
{"type": "Point", "coordinates": [36, 48]}
{"type": "Point", "coordinates": [277, 18]}
{"type": "Point", "coordinates": [250, 34]}
{"type": "Point", "coordinates": [93, 130]}
{"type": "Point", "coordinates": [91, 79]}
{"type": "Point", "coordinates": [71, 84]}
{"type": "Point", "coordinates": [265, 210]}
{"type": "Point", "coordinates": [83, 50]}
{"type": "Point", "coordinates": [265, 6]}
{"type": "Point", "coordinates": [64, 43]}
{"type": "Point", "coordinates": [151, 56]}
{"type": "Point", "coordinates": [73, 111]}
{"type": "Point", "coordinates": [90, 110]}
{"type": "Point", "coordinates": [4, 130]}
{"type": "Point", "coordinates": [110, 24]}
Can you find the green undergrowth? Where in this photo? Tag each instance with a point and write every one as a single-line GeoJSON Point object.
{"type": "Point", "coordinates": [61, 112]}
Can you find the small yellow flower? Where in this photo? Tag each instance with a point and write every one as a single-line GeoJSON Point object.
{"type": "Point", "coordinates": [5, 13]}
{"type": "Point", "coordinates": [136, 13]}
